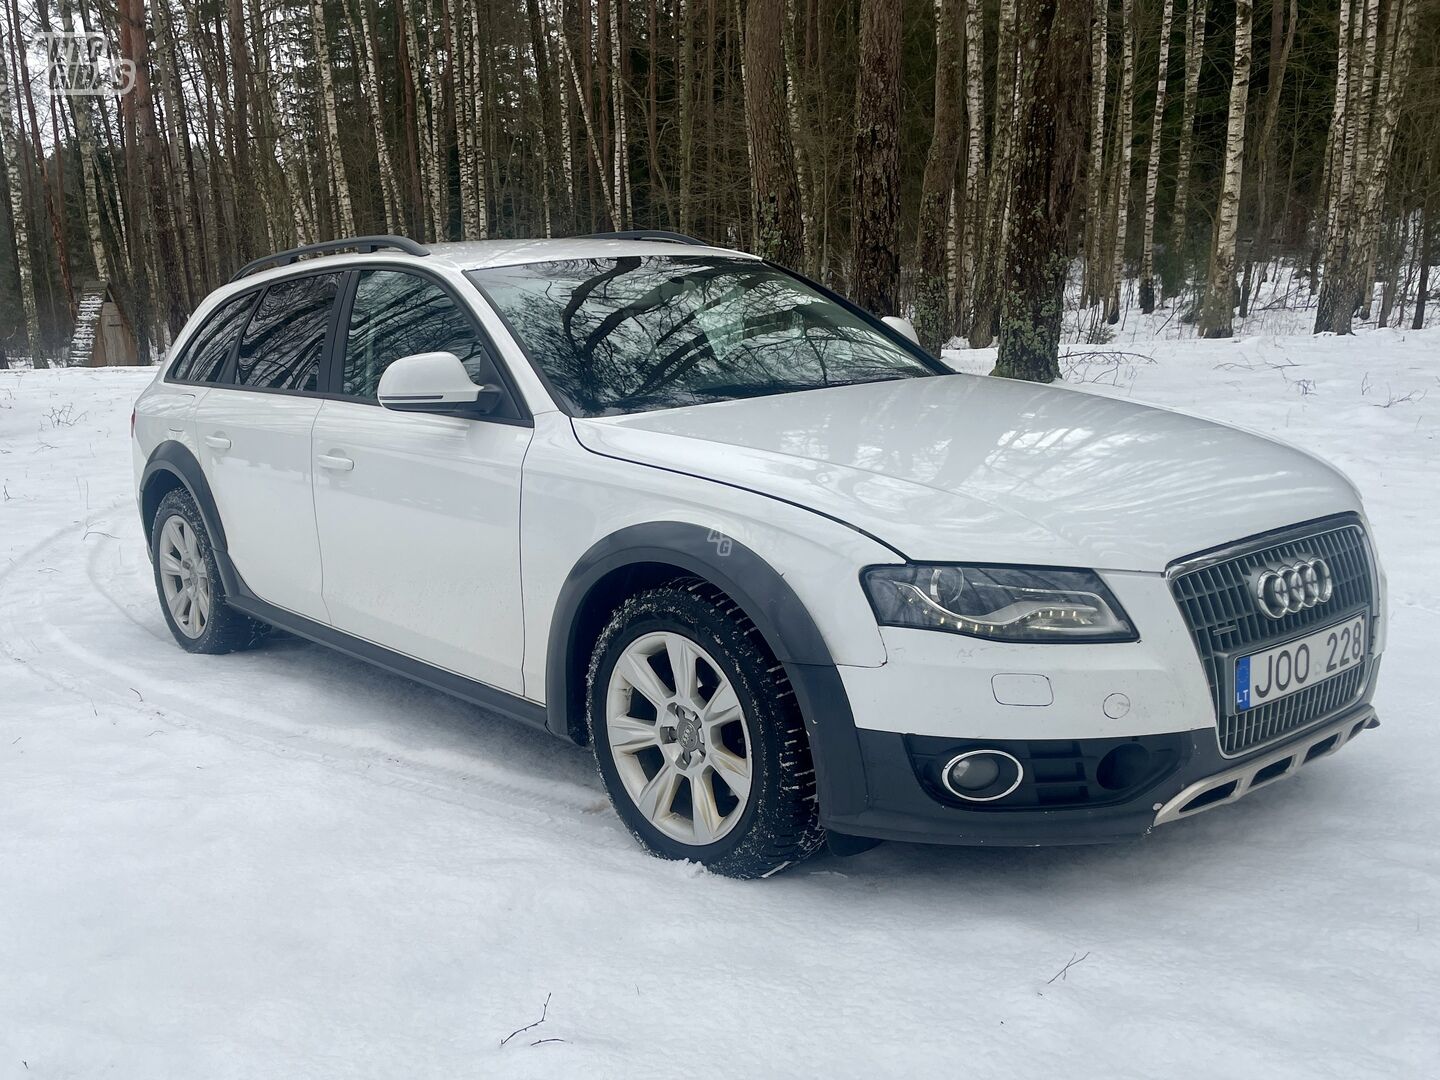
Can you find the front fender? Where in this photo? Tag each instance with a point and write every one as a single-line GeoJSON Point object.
{"type": "Point", "coordinates": [766, 598]}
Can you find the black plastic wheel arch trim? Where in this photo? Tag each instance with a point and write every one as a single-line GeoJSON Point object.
{"type": "Point", "coordinates": [765, 597]}
{"type": "Point", "coordinates": [176, 459]}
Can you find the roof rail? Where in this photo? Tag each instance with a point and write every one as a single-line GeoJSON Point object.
{"type": "Point", "coordinates": [647, 234]}
{"type": "Point", "coordinates": [364, 244]}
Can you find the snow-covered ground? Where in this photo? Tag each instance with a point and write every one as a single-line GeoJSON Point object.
{"type": "Point", "coordinates": [285, 864]}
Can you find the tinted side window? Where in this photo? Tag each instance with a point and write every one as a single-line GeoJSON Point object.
{"type": "Point", "coordinates": [398, 314]}
{"type": "Point", "coordinates": [285, 341]}
{"type": "Point", "coordinates": [210, 347]}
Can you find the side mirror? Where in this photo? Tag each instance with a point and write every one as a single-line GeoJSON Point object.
{"type": "Point", "coordinates": [435, 383]}
{"type": "Point", "coordinates": [903, 326]}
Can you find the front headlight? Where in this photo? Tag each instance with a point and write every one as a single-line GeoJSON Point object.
{"type": "Point", "coordinates": [998, 602]}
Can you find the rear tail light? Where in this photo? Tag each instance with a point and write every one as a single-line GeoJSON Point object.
{"type": "Point", "coordinates": [132, 423]}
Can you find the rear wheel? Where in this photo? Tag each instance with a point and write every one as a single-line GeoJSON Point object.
{"type": "Point", "coordinates": [187, 581]}
{"type": "Point", "coordinates": [697, 734]}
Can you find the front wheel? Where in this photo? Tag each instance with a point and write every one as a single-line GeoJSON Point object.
{"type": "Point", "coordinates": [698, 737]}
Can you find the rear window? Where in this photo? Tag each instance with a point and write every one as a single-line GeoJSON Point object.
{"type": "Point", "coordinates": [204, 358]}
{"type": "Point", "coordinates": [285, 341]}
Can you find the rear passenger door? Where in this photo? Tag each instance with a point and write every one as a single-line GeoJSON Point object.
{"type": "Point", "coordinates": [419, 515]}
{"type": "Point", "coordinates": [170, 410]}
{"type": "Point", "coordinates": [254, 434]}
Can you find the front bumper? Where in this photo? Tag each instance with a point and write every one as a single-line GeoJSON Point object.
{"type": "Point", "coordinates": [902, 808]}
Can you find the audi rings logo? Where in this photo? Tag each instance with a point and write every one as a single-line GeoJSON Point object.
{"type": "Point", "coordinates": [1288, 589]}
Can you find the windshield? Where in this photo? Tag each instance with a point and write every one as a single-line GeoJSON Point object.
{"type": "Point", "coordinates": [655, 332]}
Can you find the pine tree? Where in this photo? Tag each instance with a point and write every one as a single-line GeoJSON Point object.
{"type": "Point", "coordinates": [877, 158]}
{"type": "Point", "coordinates": [1050, 152]}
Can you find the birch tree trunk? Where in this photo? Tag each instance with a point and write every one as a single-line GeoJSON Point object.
{"type": "Point", "coordinates": [992, 245]}
{"type": "Point", "coordinates": [1194, 57]}
{"type": "Point", "coordinates": [550, 106]}
{"type": "Point", "coordinates": [1152, 165]}
{"type": "Point", "coordinates": [131, 19]}
{"type": "Point", "coordinates": [596, 155]}
{"type": "Point", "coordinates": [481, 147]}
{"type": "Point", "coordinates": [1339, 190]}
{"type": "Point", "coordinates": [1125, 155]}
{"type": "Point", "coordinates": [737, 211]}
{"type": "Point", "coordinates": [1352, 236]}
{"type": "Point", "coordinates": [619, 82]}
{"type": "Point", "coordinates": [467, 116]}
{"type": "Point", "coordinates": [79, 106]}
{"type": "Point", "coordinates": [18, 220]}
{"type": "Point", "coordinates": [775, 184]}
{"type": "Point", "coordinates": [1381, 144]}
{"type": "Point", "coordinates": [932, 321]}
{"type": "Point", "coordinates": [425, 124]}
{"type": "Point", "coordinates": [365, 48]}
{"type": "Point", "coordinates": [975, 181]}
{"type": "Point", "coordinates": [877, 159]}
{"type": "Point", "coordinates": [1427, 256]}
{"type": "Point", "coordinates": [803, 169]}
{"type": "Point", "coordinates": [1219, 305]}
{"type": "Point", "coordinates": [1095, 179]}
{"type": "Point", "coordinates": [345, 223]}
{"type": "Point", "coordinates": [1050, 153]}
{"type": "Point", "coordinates": [438, 113]}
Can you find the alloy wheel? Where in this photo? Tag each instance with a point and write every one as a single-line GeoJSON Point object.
{"type": "Point", "coordinates": [184, 577]}
{"type": "Point", "coordinates": [679, 737]}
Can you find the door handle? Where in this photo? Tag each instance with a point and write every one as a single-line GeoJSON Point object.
{"type": "Point", "coordinates": [338, 462]}
{"type": "Point", "coordinates": [218, 442]}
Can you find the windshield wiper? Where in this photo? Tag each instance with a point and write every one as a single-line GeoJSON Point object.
{"type": "Point", "coordinates": [739, 390]}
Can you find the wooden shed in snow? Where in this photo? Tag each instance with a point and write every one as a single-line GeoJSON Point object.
{"type": "Point", "coordinates": [102, 336]}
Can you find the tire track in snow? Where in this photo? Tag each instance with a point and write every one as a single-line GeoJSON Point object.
{"type": "Point", "coordinates": [42, 630]}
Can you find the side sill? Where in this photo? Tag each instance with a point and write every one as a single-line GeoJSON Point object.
{"type": "Point", "coordinates": [476, 693]}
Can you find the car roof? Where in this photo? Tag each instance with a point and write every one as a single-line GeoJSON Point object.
{"type": "Point", "coordinates": [453, 256]}
{"type": "Point", "coordinates": [481, 254]}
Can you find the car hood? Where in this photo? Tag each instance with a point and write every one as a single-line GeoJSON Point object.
{"type": "Point", "coordinates": [963, 467]}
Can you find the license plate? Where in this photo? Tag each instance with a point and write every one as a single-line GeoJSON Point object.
{"type": "Point", "coordinates": [1290, 668]}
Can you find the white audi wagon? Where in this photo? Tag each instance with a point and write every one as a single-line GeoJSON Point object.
{"type": "Point", "coordinates": [788, 575]}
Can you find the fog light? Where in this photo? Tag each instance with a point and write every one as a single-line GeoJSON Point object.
{"type": "Point", "coordinates": [974, 773]}
{"type": "Point", "coordinates": [982, 775]}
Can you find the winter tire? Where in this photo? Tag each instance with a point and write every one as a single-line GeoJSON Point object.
{"type": "Point", "coordinates": [187, 581]}
{"type": "Point", "coordinates": [697, 734]}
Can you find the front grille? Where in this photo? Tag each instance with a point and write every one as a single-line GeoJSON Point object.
{"type": "Point", "coordinates": [1216, 600]}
